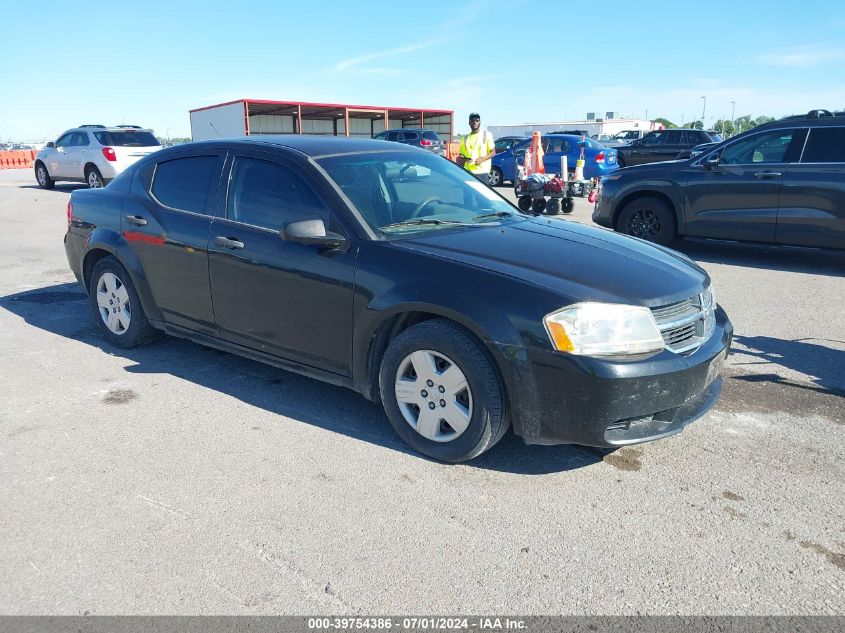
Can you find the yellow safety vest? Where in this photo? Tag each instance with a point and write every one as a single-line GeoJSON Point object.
{"type": "Point", "coordinates": [474, 146]}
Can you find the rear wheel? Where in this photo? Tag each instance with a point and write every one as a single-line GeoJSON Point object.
{"type": "Point", "coordinates": [441, 393]}
{"type": "Point", "coordinates": [42, 176]}
{"type": "Point", "coordinates": [116, 307]}
{"type": "Point", "coordinates": [649, 219]}
{"type": "Point", "coordinates": [538, 205]}
{"type": "Point", "coordinates": [94, 178]}
{"type": "Point", "coordinates": [553, 206]}
{"type": "Point", "coordinates": [495, 177]}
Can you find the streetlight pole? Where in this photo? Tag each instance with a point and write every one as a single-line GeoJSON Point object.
{"type": "Point", "coordinates": [703, 110]}
{"type": "Point", "coordinates": [733, 125]}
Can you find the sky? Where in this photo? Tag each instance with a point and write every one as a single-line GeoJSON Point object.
{"type": "Point", "coordinates": [148, 63]}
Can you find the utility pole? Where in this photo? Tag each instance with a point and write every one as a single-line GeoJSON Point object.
{"type": "Point", "coordinates": [703, 110]}
{"type": "Point", "coordinates": [733, 125]}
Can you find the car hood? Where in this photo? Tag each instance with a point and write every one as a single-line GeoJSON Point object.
{"type": "Point", "coordinates": [577, 261]}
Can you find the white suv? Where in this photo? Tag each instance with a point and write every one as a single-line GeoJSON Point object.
{"type": "Point", "coordinates": [94, 154]}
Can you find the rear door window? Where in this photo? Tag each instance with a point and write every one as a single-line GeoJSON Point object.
{"type": "Point", "coordinates": [186, 184]}
{"type": "Point", "coordinates": [80, 139]}
{"type": "Point", "coordinates": [410, 136]}
{"type": "Point", "coordinates": [393, 136]}
{"type": "Point", "coordinates": [673, 137]}
{"type": "Point", "coordinates": [825, 145]}
{"type": "Point", "coordinates": [431, 136]}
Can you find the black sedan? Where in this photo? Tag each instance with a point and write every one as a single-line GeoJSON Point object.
{"type": "Point", "coordinates": [395, 273]}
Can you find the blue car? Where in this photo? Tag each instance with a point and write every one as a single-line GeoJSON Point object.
{"type": "Point", "coordinates": [598, 159]}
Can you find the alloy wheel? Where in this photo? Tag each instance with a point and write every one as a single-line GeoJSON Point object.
{"type": "Point", "coordinates": [645, 224]}
{"type": "Point", "coordinates": [433, 395]}
{"type": "Point", "coordinates": [113, 303]}
{"type": "Point", "coordinates": [41, 175]}
{"type": "Point", "coordinates": [94, 180]}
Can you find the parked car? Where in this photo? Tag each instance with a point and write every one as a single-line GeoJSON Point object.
{"type": "Point", "coordinates": [426, 139]}
{"type": "Point", "coordinates": [779, 183]}
{"type": "Point", "coordinates": [599, 160]}
{"type": "Point", "coordinates": [626, 137]}
{"type": "Point", "coordinates": [94, 154]}
{"type": "Point", "coordinates": [504, 143]}
{"type": "Point", "coordinates": [386, 270]}
{"type": "Point", "coordinates": [661, 145]}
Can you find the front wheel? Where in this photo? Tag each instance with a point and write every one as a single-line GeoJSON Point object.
{"type": "Point", "coordinates": [649, 219]}
{"type": "Point", "coordinates": [524, 203]}
{"type": "Point", "coordinates": [116, 306]}
{"type": "Point", "coordinates": [42, 176]}
{"type": "Point", "coordinates": [441, 393]}
{"type": "Point", "coordinates": [495, 177]}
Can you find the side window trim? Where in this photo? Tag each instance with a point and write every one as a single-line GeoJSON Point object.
{"type": "Point", "coordinates": [210, 203]}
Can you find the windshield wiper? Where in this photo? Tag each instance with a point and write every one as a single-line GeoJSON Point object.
{"type": "Point", "coordinates": [493, 214]}
{"type": "Point", "coordinates": [422, 221]}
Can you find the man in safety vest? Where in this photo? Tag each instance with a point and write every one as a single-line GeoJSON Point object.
{"type": "Point", "coordinates": [477, 149]}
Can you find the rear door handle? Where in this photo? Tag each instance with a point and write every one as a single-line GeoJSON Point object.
{"type": "Point", "coordinates": [228, 242]}
{"type": "Point", "coordinates": [767, 174]}
{"type": "Point", "coordinates": [137, 220]}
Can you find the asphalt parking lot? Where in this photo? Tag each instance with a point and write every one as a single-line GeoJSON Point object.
{"type": "Point", "coordinates": [174, 479]}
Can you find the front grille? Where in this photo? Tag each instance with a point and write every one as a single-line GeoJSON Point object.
{"type": "Point", "coordinates": [687, 324]}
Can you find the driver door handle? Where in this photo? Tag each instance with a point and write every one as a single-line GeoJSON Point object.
{"type": "Point", "coordinates": [767, 174]}
{"type": "Point", "coordinates": [228, 242]}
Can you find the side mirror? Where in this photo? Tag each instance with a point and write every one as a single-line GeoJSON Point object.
{"type": "Point", "coordinates": [51, 144]}
{"type": "Point", "coordinates": [311, 232]}
{"type": "Point", "coordinates": [711, 161]}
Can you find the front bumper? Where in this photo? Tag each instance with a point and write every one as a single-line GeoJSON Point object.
{"type": "Point", "coordinates": [558, 398]}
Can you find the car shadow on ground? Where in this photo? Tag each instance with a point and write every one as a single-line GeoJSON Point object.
{"type": "Point", "coordinates": [817, 262]}
{"type": "Point", "coordinates": [281, 392]}
{"type": "Point", "coordinates": [65, 187]}
{"type": "Point", "coordinates": [809, 356]}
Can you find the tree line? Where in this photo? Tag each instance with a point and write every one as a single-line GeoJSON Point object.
{"type": "Point", "coordinates": [725, 127]}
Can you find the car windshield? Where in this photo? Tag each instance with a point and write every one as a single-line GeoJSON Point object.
{"type": "Point", "coordinates": [410, 192]}
{"type": "Point", "coordinates": [127, 138]}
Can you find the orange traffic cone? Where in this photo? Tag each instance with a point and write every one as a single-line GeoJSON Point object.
{"type": "Point", "coordinates": [534, 157]}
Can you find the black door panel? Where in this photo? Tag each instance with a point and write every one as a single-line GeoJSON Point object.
{"type": "Point", "coordinates": [812, 206]}
{"type": "Point", "coordinates": [283, 298]}
{"type": "Point", "coordinates": [172, 245]}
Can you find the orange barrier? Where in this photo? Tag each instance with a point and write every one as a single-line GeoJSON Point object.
{"type": "Point", "coordinates": [452, 150]}
{"type": "Point", "coordinates": [17, 159]}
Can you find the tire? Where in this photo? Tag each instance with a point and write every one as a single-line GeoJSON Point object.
{"type": "Point", "coordinates": [94, 178]}
{"type": "Point", "coordinates": [553, 206]}
{"type": "Point", "coordinates": [524, 203]}
{"type": "Point", "coordinates": [538, 205]}
{"type": "Point", "coordinates": [472, 399]}
{"type": "Point", "coordinates": [116, 306]}
{"type": "Point", "coordinates": [567, 205]}
{"type": "Point", "coordinates": [42, 176]}
{"type": "Point", "coordinates": [496, 177]}
{"type": "Point", "coordinates": [649, 219]}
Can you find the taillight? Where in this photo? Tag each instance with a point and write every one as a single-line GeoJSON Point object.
{"type": "Point", "coordinates": [425, 142]}
{"type": "Point", "coordinates": [69, 213]}
{"type": "Point", "coordinates": [600, 157]}
{"type": "Point", "coordinates": [108, 152]}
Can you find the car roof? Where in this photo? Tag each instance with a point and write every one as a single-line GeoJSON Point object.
{"type": "Point", "coordinates": [310, 145]}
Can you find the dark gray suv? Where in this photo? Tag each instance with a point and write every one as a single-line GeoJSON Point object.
{"type": "Point", "coordinates": [418, 137]}
{"type": "Point", "coordinates": [779, 183]}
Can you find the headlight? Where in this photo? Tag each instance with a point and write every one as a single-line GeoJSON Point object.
{"type": "Point", "coordinates": [604, 329]}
